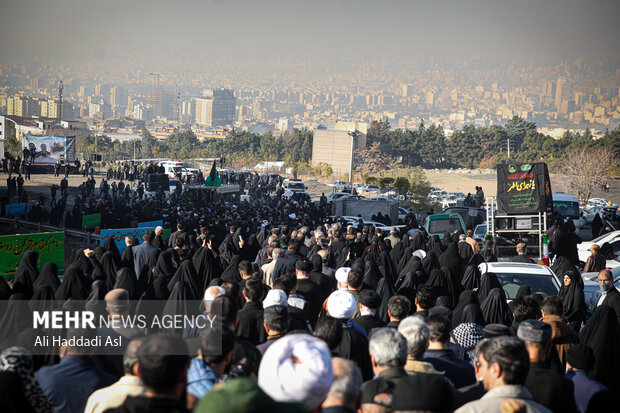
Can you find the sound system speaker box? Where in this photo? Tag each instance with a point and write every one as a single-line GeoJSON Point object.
{"type": "Point", "coordinates": [156, 182]}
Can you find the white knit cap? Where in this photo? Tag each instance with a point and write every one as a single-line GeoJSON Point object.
{"type": "Point", "coordinates": [341, 304]}
{"type": "Point", "coordinates": [297, 367]}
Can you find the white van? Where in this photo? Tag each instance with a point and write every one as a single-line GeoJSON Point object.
{"type": "Point", "coordinates": [293, 186]}
{"type": "Point", "coordinates": [567, 206]}
{"type": "Point", "coordinates": [172, 168]}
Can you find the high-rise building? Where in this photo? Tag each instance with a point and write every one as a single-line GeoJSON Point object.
{"type": "Point", "coordinates": [162, 102]}
{"type": "Point", "coordinates": [407, 90]}
{"type": "Point", "coordinates": [118, 97]}
{"type": "Point", "coordinates": [215, 108]}
{"type": "Point", "coordinates": [559, 91]}
{"type": "Point", "coordinates": [23, 106]}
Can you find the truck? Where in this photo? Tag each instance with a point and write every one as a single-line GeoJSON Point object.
{"type": "Point", "coordinates": [175, 169]}
{"type": "Point", "coordinates": [567, 206]}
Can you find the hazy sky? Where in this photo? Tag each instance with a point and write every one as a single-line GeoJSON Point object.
{"type": "Point", "coordinates": [495, 29]}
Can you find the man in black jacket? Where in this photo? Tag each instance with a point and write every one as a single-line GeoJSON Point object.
{"type": "Point", "coordinates": [250, 325]}
{"type": "Point", "coordinates": [369, 301]}
{"type": "Point", "coordinates": [609, 296]}
{"type": "Point", "coordinates": [548, 387]}
{"type": "Point", "coordinates": [287, 263]}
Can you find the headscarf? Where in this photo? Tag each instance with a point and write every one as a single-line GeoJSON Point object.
{"type": "Point", "coordinates": [573, 300]}
{"type": "Point", "coordinates": [206, 265]}
{"type": "Point", "coordinates": [451, 259]}
{"type": "Point", "coordinates": [18, 360]}
{"type": "Point", "coordinates": [127, 281]}
{"type": "Point", "coordinates": [297, 367]}
{"type": "Point", "coordinates": [488, 281]}
{"type": "Point", "coordinates": [165, 265]}
{"type": "Point", "coordinates": [471, 278]}
{"type": "Point", "coordinates": [494, 308]}
{"type": "Point", "coordinates": [465, 252]}
{"type": "Point", "coordinates": [180, 303]}
{"type": "Point", "coordinates": [386, 265]}
{"type": "Point", "coordinates": [562, 265]}
{"type": "Point", "coordinates": [48, 276]}
{"type": "Point", "coordinates": [110, 246]}
{"type": "Point", "coordinates": [404, 259]}
{"type": "Point", "coordinates": [110, 268]}
{"type": "Point", "coordinates": [385, 290]}
{"type": "Point", "coordinates": [96, 299]}
{"type": "Point", "coordinates": [454, 284]}
{"type": "Point", "coordinates": [466, 298]}
{"type": "Point", "coordinates": [187, 273]}
{"type": "Point", "coordinates": [430, 262]}
{"type": "Point", "coordinates": [372, 275]}
{"type": "Point", "coordinates": [26, 274]}
{"type": "Point", "coordinates": [83, 263]}
{"type": "Point", "coordinates": [13, 320]}
{"type": "Point", "coordinates": [473, 314]}
{"type": "Point", "coordinates": [602, 333]}
{"type": "Point", "coordinates": [467, 335]}
{"type": "Point", "coordinates": [75, 285]}
{"type": "Point", "coordinates": [434, 244]}
{"type": "Point", "coordinates": [5, 290]}
{"type": "Point", "coordinates": [231, 273]}
{"type": "Point", "coordinates": [440, 283]}
{"type": "Point", "coordinates": [43, 299]}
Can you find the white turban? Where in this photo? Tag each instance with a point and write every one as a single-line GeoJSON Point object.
{"type": "Point", "coordinates": [341, 304]}
{"type": "Point", "coordinates": [341, 274]}
{"type": "Point", "coordinates": [297, 367]}
{"type": "Point", "coordinates": [275, 297]}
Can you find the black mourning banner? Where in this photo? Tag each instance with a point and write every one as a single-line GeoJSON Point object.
{"type": "Point", "coordinates": [523, 188]}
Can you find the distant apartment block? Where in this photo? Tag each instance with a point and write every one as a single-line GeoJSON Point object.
{"type": "Point", "coordinates": [215, 108]}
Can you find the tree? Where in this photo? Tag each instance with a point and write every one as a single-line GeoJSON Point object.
{"type": "Point", "coordinates": [378, 131]}
{"type": "Point", "coordinates": [323, 170]}
{"type": "Point", "coordinates": [148, 143]}
{"type": "Point", "coordinates": [385, 181]}
{"type": "Point", "coordinates": [371, 159]}
{"type": "Point", "coordinates": [516, 129]}
{"type": "Point", "coordinates": [401, 185]}
{"type": "Point", "coordinates": [13, 147]}
{"type": "Point", "coordinates": [586, 169]}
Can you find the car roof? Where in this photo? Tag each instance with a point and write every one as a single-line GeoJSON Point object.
{"type": "Point", "coordinates": [515, 268]}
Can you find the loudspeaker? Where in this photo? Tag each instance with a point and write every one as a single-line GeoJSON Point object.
{"type": "Point", "coordinates": [95, 158]}
{"type": "Point", "coordinates": [155, 182]}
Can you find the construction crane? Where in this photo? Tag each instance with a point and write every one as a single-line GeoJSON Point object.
{"type": "Point", "coordinates": [61, 86]}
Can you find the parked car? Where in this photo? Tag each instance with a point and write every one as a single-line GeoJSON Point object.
{"type": "Point", "coordinates": [588, 214]}
{"type": "Point", "coordinates": [439, 224]}
{"type": "Point", "coordinates": [583, 249]}
{"type": "Point", "coordinates": [513, 275]}
{"type": "Point", "coordinates": [592, 290]}
{"type": "Point", "coordinates": [471, 216]}
{"type": "Point", "coordinates": [479, 233]}
{"type": "Point", "coordinates": [341, 195]}
{"type": "Point", "coordinates": [338, 184]}
{"type": "Point", "coordinates": [596, 202]}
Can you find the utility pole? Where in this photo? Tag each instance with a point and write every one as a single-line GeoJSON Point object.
{"type": "Point", "coordinates": [353, 135]}
{"type": "Point", "coordinates": [508, 148]}
{"type": "Point", "coordinates": [61, 86]}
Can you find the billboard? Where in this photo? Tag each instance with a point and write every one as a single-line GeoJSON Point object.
{"type": "Point", "coordinates": [91, 221]}
{"type": "Point", "coordinates": [118, 235]}
{"type": "Point", "coordinates": [50, 149]}
{"type": "Point", "coordinates": [523, 188]}
{"type": "Point", "coordinates": [49, 245]}
{"type": "Point", "coordinates": [15, 210]}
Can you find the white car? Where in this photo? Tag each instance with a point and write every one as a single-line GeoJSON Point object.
{"type": "Point", "coordinates": [588, 214]}
{"type": "Point", "coordinates": [583, 249]}
{"type": "Point", "coordinates": [379, 198]}
{"type": "Point", "coordinates": [338, 184]}
{"type": "Point", "coordinates": [513, 275]}
{"type": "Point", "coordinates": [596, 202]}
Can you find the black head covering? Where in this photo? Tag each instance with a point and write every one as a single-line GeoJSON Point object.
{"type": "Point", "coordinates": [414, 264]}
{"type": "Point", "coordinates": [454, 284]}
{"type": "Point", "coordinates": [386, 265]}
{"type": "Point", "coordinates": [476, 259]}
{"type": "Point", "coordinates": [180, 303]}
{"type": "Point", "coordinates": [26, 274]}
{"type": "Point", "coordinates": [404, 259]}
{"type": "Point", "coordinates": [562, 265]}
{"type": "Point", "coordinates": [385, 290]}
{"type": "Point", "coordinates": [430, 262]}
{"type": "Point", "coordinates": [206, 265]}
{"type": "Point", "coordinates": [573, 300]}
{"type": "Point", "coordinates": [494, 308]}
{"type": "Point", "coordinates": [13, 320]}
{"type": "Point", "coordinates": [317, 263]}
{"type": "Point", "coordinates": [187, 273]}
{"type": "Point", "coordinates": [44, 299]}
{"type": "Point", "coordinates": [471, 278]}
{"type": "Point", "coordinates": [465, 252]}
{"type": "Point", "coordinates": [75, 285]}
{"type": "Point", "coordinates": [109, 267]}
{"type": "Point", "coordinates": [96, 299]}
{"type": "Point", "coordinates": [472, 314]}
{"type": "Point", "coordinates": [48, 276]}
{"type": "Point", "coordinates": [439, 281]}
{"type": "Point", "coordinates": [83, 263]}
{"type": "Point", "coordinates": [165, 265]}
{"type": "Point", "coordinates": [5, 290]}
{"type": "Point", "coordinates": [488, 281]}
{"type": "Point", "coordinates": [434, 244]}
{"type": "Point", "coordinates": [602, 333]}
{"type": "Point", "coordinates": [372, 275]}
{"type": "Point", "coordinates": [397, 251]}
{"type": "Point", "coordinates": [231, 273]}
{"type": "Point", "coordinates": [110, 246]}
{"type": "Point", "coordinates": [451, 258]}
{"type": "Point", "coordinates": [444, 301]}
{"type": "Point", "coordinates": [418, 242]}
{"type": "Point", "coordinates": [151, 261]}
{"type": "Point", "coordinates": [466, 298]}
{"type": "Point", "coordinates": [126, 280]}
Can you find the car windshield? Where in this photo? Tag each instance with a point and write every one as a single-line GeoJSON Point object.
{"type": "Point", "coordinates": [566, 209]}
{"type": "Point", "coordinates": [480, 231]}
{"type": "Point", "coordinates": [296, 185]}
{"type": "Point", "coordinates": [440, 226]}
{"type": "Point", "coordinates": [544, 285]}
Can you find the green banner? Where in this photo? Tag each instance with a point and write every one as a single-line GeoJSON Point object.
{"type": "Point", "coordinates": [49, 245]}
{"type": "Point", "coordinates": [91, 221]}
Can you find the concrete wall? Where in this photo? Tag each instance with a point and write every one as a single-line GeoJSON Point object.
{"type": "Point", "coordinates": [333, 147]}
{"type": "Point", "coordinates": [355, 207]}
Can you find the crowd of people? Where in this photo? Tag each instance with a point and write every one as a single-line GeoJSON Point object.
{"type": "Point", "coordinates": [309, 314]}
